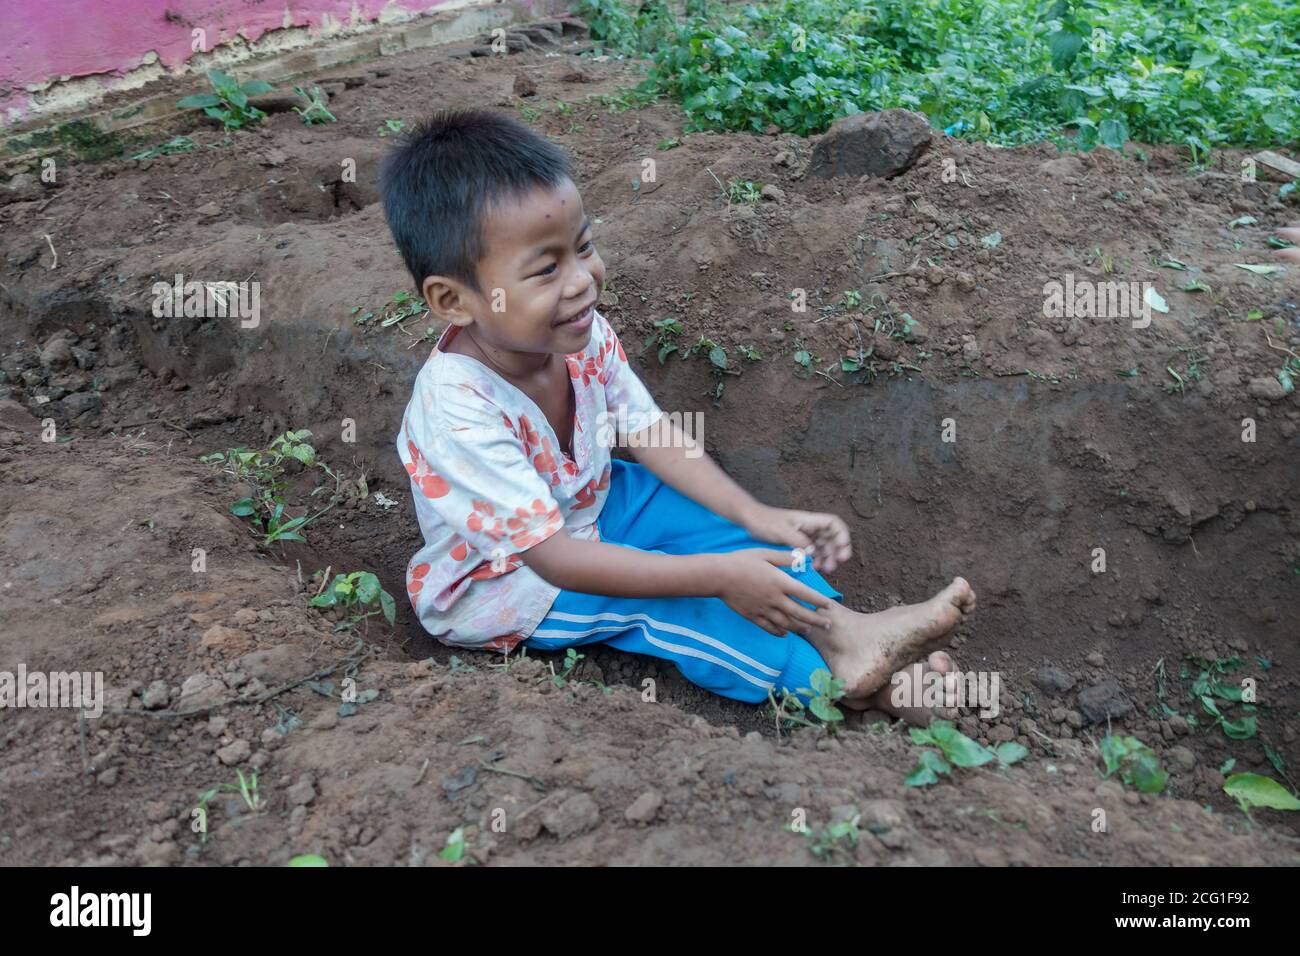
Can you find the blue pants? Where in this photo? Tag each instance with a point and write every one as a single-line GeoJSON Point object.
{"type": "Point", "coordinates": [711, 644]}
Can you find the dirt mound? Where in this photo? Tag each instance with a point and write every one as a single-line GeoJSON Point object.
{"type": "Point", "coordinates": [923, 394]}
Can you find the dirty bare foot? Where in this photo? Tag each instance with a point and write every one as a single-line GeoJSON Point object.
{"type": "Point", "coordinates": [911, 684]}
{"type": "Point", "coordinates": [864, 650]}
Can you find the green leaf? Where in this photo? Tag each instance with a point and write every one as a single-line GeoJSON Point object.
{"type": "Point", "coordinates": [718, 356]}
{"type": "Point", "coordinates": [1196, 285]}
{"type": "Point", "coordinates": [928, 767]}
{"type": "Point", "coordinates": [959, 748]}
{"type": "Point", "coordinates": [1242, 221]}
{"type": "Point", "coordinates": [992, 240]}
{"type": "Point", "coordinates": [803, 357]}
{"type": "Point", "coordinates": [368, 587]}
{"type": "Point", "coordinates": [1256, 790]}
{"type": "Point", "coordinates": [455, 848]}
{"type": "Point", "coordinates": [256, 87]}
{"type": "Point", "coordinates": [1154, 299]}
{"type": "Point", "coordinates": [1243, 728]}
{"type": "Point", "coordinates": [1065, 46]}
{"type": "Point", "coordinates": [1173, 264]}
{"type": "Point", "coordinates": [1257, 269]}
{"type": "Point", "coordinates": [310, 859]}
{"type": "Point", "coordinates": [1147, 774]}
{"type": "Point", "coordinates": [1113, 133]}
{"type": "Point", "coordinates": [243, 508]}
{"type": "Point", "coordinates": [1203, 58]}
{"type": "Point", "coordinates": [389, 607]}
{"type": "Point", "coordinates": [825, 710]}
{"type": "Point", "coordinates": [1010, 752]}
{"type": "Point", "coordinates": [324, 599]}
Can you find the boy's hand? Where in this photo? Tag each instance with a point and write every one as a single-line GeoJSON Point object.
{"type": "Point", "coordinates": [752, 584]}
{"type": "Point", "coordinates": [826, 534]}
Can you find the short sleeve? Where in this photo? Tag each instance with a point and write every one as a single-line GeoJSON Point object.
{"type": "Point", "coordinates": [473, 472]}
{"type": "Point", "coordinates": [624, 388]}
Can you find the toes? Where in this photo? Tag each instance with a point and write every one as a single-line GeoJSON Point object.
{"type": "Point", "coordinates": [963, 595]}
{"type": "Point", "coordinates": [951, 684]}
{"type": "Point", "coordinates": [941, 662]}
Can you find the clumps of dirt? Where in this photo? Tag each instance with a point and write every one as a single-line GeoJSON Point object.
{"type": "Point", "coordinates": [1122, 536]}
{"type": "Point", "coordinates": [225, 671]}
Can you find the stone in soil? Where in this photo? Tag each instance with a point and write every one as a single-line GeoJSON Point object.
{"type": "Point", "coordinates": [1104, 700]}
{"type": "Point", "coordinates": [871, 144]}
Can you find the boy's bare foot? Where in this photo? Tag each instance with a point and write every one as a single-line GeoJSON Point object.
{"type": "Point", "coordinates": [864, 650]}
{"type": "Point", "coordinates": [912, 682]}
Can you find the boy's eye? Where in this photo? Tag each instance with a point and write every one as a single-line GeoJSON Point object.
{"type": "Point", "coordinates": [548, 270]}
{"type": "Point", "coordinates": [588, 245]}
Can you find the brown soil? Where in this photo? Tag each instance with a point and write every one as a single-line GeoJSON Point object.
{"type": "Point", "coordinates": [1055, 456]}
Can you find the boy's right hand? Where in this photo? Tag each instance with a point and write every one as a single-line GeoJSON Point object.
{"type": "Point", "coordinates": [752, 584]}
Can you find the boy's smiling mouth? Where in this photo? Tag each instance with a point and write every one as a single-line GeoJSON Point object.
{"type": "Point", "coordinates": [578, 320]}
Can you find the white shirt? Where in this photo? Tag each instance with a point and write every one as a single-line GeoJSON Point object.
{"type": "Point", "coordinates": [490, 480]}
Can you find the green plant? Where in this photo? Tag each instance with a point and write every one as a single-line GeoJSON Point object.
{"type": "Point", "coordinates": [739, 190]}
{"type": "Point", "coordinates": [1135, 762]}
{"type": "Point", "coordinates": [1254, 790]}
{"type": "Point", "coordinates": [571, 658]}
{"type": "Point", "coordinates": [402, 306]}
{"type": "Point", "coordinates": [955, 749]}
{"type": "Point", "coordinates": [246, 787]}
{"type": "Point", "coordinates": [177, 144]}
{"type": "Point", "coordinates": [359, 594]}
{"type": "Point", "coordinates": [266, 470]}
{"type": "Point", "coordinates": [835, 840]}
{"type": "Point", "coordinates": [454, 850]}
{"type": "Point", "coordinates": [268, 517]}
{"type": "Point", "coordinates": [315, 112]}
{"type": "Point", "coordinates": [1213, 695]}
{"type": "Point", "coordinates": [823, 694]}
{"type": "Point", "coordinates": [664, 337]}
{"type": "Point", "coordinates": [391, 127]}
{"type": "Point", "coordinates": [1079, 74]}
{"type": "Point", "coordinates": [265, 467]}
{"type": "Point", "coordinates": [228, 101]}
{"type": "Point", "coordinates": [309, 859]}
{"type": "Point", "coordinates": [1288, 374]}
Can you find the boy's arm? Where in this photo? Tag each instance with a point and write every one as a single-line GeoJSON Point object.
{"type": "Point", "coordinates": [599, 567]}
{"type": "Point", "coordinates": [681, 462]}
{"type": "Point", "coordinates": [749, 581]}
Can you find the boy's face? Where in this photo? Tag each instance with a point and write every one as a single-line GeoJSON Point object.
{"type": "Point", "coordinates": [541, 272]}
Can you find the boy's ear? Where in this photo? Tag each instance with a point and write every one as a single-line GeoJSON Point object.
{"type": "Point", "coordinates": [446, 300]}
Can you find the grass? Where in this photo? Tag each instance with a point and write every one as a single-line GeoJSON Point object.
{"type": "Point", "coordinates": [1204, 74]}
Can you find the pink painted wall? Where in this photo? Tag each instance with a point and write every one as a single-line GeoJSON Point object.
{"type": "Point", "coordinates": [49, 39]}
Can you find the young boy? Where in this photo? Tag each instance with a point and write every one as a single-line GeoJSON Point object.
{"type": "Point", "coordinates": [533, 535]}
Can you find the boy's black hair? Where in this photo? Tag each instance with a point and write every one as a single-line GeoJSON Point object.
{"type": "Point", "coordinates": [443, 176]}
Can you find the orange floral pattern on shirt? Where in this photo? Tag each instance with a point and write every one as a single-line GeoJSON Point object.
{"type": "Point", "coordinates": [423, 474]}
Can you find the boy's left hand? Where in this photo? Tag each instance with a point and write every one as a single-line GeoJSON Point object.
{"type": "Point", "coordinates": [826, 534]}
